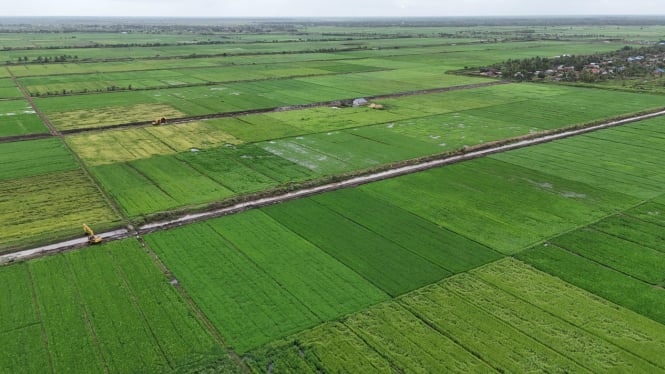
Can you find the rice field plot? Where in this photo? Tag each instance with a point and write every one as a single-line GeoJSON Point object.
{"type": "Point", "coordinates": [440, 246]}
{"type": "Point", "coordinates": [135, 193]}
{"type": "Point", "coordinates": [224, 166]}
{"type": "Point", "coordinates": [504, 207]}
{"type": "Point", "coordinates": [85, 111]}
{"type": "Point", "coordinates": [254, 157]}
{"type": "Point", "coordinates": [8, 89]}
{"type": "Point", "coordinates": [378, 83]}
{"type": "Point", "coordinates": [150, 185]}
{"type": "Point", "coordinates": [110, 108]}
{"type": "Point", "coordinates": [605, 159]}
{"type": "Point", "coordinates": [584, 347]}
{"type": "Point", "coordinates": [630, 331]}
{"type": "Point", "coordinates": [247, 306]}
{"type": "Point", "coordinates": [18, 118]}
{"type": "Point", "coordinates": [20, 329]}
{"type": "Point", "coordinates": [627, 257]}
{"type": "Point", "coordinates": [110, 309]}
{"type": "Point", "coordinates": [342, 151]}
{"type": "Point", "coordinates": [324, 119]}
{"type": "Point", "coordinates": [384, 263]}
{"type": "Point", "coordinates": [454, 130]}
{"type": "Point", "coordinates": [255, 127]}
{"type": "Point", "coordinates": [166, 78]}
{"type": "Point", "coordinates": [111, 146]}
{"type": "Point", "coordinates": [328, 288]}
{"type": "Point", "coordinates": [597, 278]}
{"type": "Point", "coordinates": [50, 206]}
{"type": "Point", "coordinates": [31, 70]}
{"type": "Point", "coordinates": [579, 105]}
{"type": "Point", "coordinates": [651, 212]}
{"type": "Point", "coordinates": [410, 343]}
{"type": "Point", "coordinates": [180, 181]}
{"type": "Point", "coordinates": [91, 118]}
{"type": "Point", "coordinates": [633, 229]}
{"type": "Point", "coordinates": [34, 157]}
{"type": "Point", "coordinates": [500, 345]}
{"type": "Point", "coordinates": [332, 346]}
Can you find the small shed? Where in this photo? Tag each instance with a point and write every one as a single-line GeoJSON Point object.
{"type": "Point", "coordinates": [360, 102]}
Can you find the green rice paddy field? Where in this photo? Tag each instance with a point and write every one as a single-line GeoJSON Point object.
{"type": "Point", "coordinates": [544, 259]}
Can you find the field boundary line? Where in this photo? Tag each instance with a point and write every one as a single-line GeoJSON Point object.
{"type": "Point", "coordinates": [583, 290]}
{"type": "Point", "coordinates": [39, 317]}
{"type": "Point", "coordinates": [618, 236]}
{"type": "Point", "coordinates": [606, 266]}
{"type": "Point", "coordinates": [266, 273]}
{"type": "Point", "coordinates": [409, 250]}
{"type": "Point", "coordinates": [26, 96]}
{"type": "Point", "coordinates": [132, 296]}
{"type": "Point", "coordinates": [338, 261]}
{"type": "Point", "coordinates": [388, 359]}
{"type": "Point", "coordinates": [73, 278]}
{"type": "Point", "coordinates": [445, 334]}
{"type": "Point", "coordinates": [539, 340]}
{"type": "Point", "coordinates": [465, 154]}
{"type": "Point", "coordinates": [287, 108]}
{"type": "Point", "coordinates": [200, 316]}
{"type": "Point", "coordinates": [390, 173]}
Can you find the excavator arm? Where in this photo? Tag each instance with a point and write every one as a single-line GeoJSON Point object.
{"type": "Point", "coordinates": [92, 238]}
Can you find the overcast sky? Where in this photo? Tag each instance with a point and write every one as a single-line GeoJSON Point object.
{"type": "Point", "coordinates": [328, 8]}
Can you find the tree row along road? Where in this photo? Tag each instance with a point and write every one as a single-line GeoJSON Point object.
{"type": "Point", "coordinates": [350, 182]}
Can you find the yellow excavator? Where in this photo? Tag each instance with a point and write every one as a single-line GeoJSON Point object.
{"type": "Point", "coordinates": [159, 121]}
{"type": "Point", "coordinates": [92, 238]}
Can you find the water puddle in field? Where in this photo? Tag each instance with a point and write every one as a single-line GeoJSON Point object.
{"type": "Point", "coordinates": [29, 112]}
{"type": "Point", "coordinates": [573, 195]}
{"type": "Point", "coordinates": [174, 282]}
{"type": "Point", "coordinates": [300, 138]}
{"type": "Point", "coordinates": [7, 114]}
{"type": "Point", "coordinates": [656, 213]}
{"type": "Point", "coordinates": [218, 88]}
{"type": "Point", "coordinates": [545, 185]}
{"type": "Point", "coordinates": [435, 137]}
{"type": "Point", "coordinates": [443, 145]}
{"type": "Point", "coordinates": [461, 126]}
{"type": "Point", "coordinates": [194, 150]}
{"type": "Point", "coordinates": [235, 93]}
{"type": "Point", "coordinates": [390, 125]}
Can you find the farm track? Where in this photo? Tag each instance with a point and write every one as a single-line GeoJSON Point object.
{"type": "Point", "coordinates": [353, 181]}
{"type": "Point", "coordinates": [183, 120]}
{"type": "Point", "coordinates": [175, 121]}
{"type": "Point", "coordinates": [28, 98]}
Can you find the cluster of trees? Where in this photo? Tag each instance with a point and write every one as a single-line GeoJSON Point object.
{"type": "Point", "coordinates": [620, 64]}
{"type": "Point", "coordinates": [47, 59]}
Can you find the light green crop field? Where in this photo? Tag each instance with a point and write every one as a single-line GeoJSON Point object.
{"type": "Point", "coordinates": [8, 89]}
{"type": "Point", "coordinates": [45, 194]}
{"type": "Point", "coordinates": [17, 117]}
{"type": "Point", "coordinates": [500, 312]}
{"type": "Point", "coordinates": [108, 309]}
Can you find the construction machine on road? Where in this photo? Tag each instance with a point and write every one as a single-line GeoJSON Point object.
{"type": "Point", "coordinates": [92, 238]}
{"type": "Point", "coordinates": [159, 121]}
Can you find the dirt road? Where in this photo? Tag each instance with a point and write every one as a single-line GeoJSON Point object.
{"type": "Point", "coordinates": [355, 181]}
